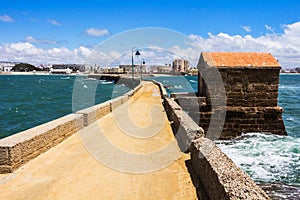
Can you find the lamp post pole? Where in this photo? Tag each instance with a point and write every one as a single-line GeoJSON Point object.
{"type": "Point", "coordinates": [137, 53]}
{"type": "Point", "coordinates": [132, 72]}
{"type": "Point", "coordinates": [142, 62]}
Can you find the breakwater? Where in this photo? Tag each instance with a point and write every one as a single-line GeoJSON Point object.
{"type": "Point", "coordinates": [117, 79]}
{"type": "Point", "coordinates": [20, 148]}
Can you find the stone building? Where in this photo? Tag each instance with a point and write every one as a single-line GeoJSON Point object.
{"type": "Point", "coordinates": [243, 88]}
{"type": "Point", "coordinates": [180, 65]}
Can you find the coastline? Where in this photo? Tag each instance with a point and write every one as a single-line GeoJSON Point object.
{"type": "Point", "coordinates": [36, 73]}
{"type": "Point", "coordinates": [137, 75]}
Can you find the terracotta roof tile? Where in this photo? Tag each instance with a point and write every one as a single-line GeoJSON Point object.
{"type": "Point", "coordinates": [240, 59]}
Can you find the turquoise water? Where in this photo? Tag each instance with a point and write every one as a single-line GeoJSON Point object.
{"type": "Point", "coordinates": [31, 100]}
{"type": "Point", "coordinates": [272, 161]}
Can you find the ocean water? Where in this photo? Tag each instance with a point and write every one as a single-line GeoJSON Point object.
{"type": "Point", "coordinates": [30, 100]}
{"type": "Point", "coordinates": [271, 161]}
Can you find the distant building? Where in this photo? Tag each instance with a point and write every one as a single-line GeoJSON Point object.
{"type": "Point", "coordinates": [160, 69]}
{"type": "Point", "coordinates": [128, 68]}
{"type": "Point", "coordinates": [66, 68]}
{"type": "Point", "coordinates": [7, 66]}
{"type": "Point", "coordinates": [180, 65]}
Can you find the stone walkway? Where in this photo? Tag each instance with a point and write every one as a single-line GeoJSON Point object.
{"type": "Point", "coordinates": [129, 154]}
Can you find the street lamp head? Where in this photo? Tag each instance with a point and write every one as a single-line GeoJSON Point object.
{"type": "Point", "coordinates": [137, 53]}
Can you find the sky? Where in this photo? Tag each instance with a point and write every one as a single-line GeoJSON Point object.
{"type": "Point", "coordinates": [67, 31]}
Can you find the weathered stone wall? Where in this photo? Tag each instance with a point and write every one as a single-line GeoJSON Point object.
{"type": "Point", "coordinates": [219, 176]}
{"type": "Point", "coordinates": [245, 86]}
{"type": "Point", "coordinates": [214, 175]}
{"type": "Point", "coordinates": [184, 128]}
{"type": "Point", "coordinates": [94, 113]}
{"type": "Point", "coordinates": [24, 146]}
{"type": "Point", "coordinates": [244, 120]}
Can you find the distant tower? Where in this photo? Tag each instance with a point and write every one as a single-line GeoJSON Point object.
{"type": "Point", "coordinates": [180, 65]}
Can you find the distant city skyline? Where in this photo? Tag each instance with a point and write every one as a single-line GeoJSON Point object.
{"type": "Point", "coordinates": [66, 32]}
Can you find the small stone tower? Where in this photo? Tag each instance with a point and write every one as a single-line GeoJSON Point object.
{"type": "Point", "coordinates": [251, 83]}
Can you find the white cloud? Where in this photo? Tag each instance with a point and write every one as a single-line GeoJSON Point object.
{"type": "Point", "coordinates": [285, 47]}
{"type": "Point", "coordinates": [27, 52]}
{"type": "Point", "coordinates": [39, 41]}
{"type": "Point", "coordinates": [96, 32]}
{"type": "Point", "coordinates": [247, 28]}
{"type": "Point", "coordinates": [54, 22]}
{"type": "Point", "coordinates": [269, 28]}
{"type": "Point", "coordinates": [6, 18]}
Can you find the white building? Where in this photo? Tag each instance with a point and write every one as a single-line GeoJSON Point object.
{"type": "Point", "coordinates": [7, 66]}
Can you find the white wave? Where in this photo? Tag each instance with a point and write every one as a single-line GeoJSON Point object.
{"type": "Point", "coordinates": [177, 86]}
{"type": "Point", "coordinates": [193, 81]}
{"type": "Point", "coordinates": [91, 79]}
{"type": "Point", "coordinates": [289, 119]}
{"type": "Point", "coordinates": [65, 78]}
{"type": "Point", "coordinates": [107, 82]}
{"type": "Point", "coordinates": [267, 158]}
{"type": "Point", "coordinates": [288, 87]}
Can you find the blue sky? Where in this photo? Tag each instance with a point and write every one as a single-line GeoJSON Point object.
{"type": "Point", "coordinates": [70, 25]}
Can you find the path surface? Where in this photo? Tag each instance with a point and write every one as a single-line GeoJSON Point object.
{"type": "Point", "coordinates": [70, 171]}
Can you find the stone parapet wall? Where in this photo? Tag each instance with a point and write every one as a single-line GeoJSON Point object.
{"type": "Point", "coordinates": [184, 128]}
{"type": "Point", "coordinates": [18, 149]}
{"type": "Point", "coordinates": [219, 176]}
{"type": "Point", "coordinates": [162, 90]}
{"type": "Point", "coordinates": [94, 113]}
{"type": "Point", "coordinates": [214, 175]}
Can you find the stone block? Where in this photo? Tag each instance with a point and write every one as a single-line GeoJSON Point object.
{"type": "Point", "coordinates": [115, 103]}
{"type": "Point", "coordinates": [4, 156]}
{"type": "Point", "coordinates": [170, 106]}
{"type": "Point", "coordinates": [187, 130]}
{"type": "Point", "coordinates": [102, 109]}
{"type": "Point", "coordinates": [125, 99]}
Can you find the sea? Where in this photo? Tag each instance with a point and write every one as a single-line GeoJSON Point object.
{"type": "Point", "coordinates": [30, 100]}
{"type": "Point", "coordinates": [272, 161]}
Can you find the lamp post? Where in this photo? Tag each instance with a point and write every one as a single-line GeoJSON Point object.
{"type": "Point", "coordinates": [142, 63]}
{"type": "Point", "coordinates": [137, 53]}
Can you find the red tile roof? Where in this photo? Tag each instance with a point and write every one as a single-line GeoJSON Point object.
{"type": "Point", "coordinates": [239, 59]}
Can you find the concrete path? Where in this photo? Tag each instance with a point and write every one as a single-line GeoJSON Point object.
{"type": "Point", "coordinates": [129, 154]}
